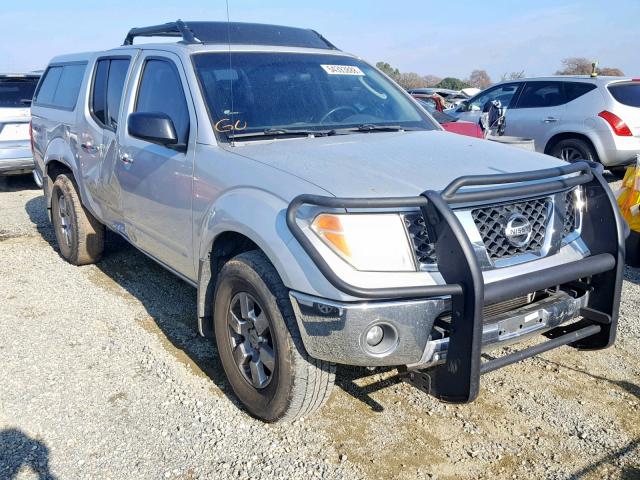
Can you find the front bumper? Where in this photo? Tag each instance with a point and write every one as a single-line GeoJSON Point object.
{"type": "Point", "coordinates": [16, 157]}
{"type": "Point", "coordinates": [336, 331]}
{"type": "Point", "coordinates": [457, 379]}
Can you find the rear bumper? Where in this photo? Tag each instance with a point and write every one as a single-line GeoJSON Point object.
{"type": "Point", "coordinates": [16, 157]}
{"type": "Point", "coordinates": [619, 151]}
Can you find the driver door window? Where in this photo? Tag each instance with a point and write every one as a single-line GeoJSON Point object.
{"type": "Point", "coordinates": [161, 91]}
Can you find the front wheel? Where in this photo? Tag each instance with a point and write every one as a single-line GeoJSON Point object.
{"type": "Point", "coordinates": [259, 345]}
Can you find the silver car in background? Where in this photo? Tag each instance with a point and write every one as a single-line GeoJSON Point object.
{"type": "Point", "coordinates": [569, 117]}
{"type": "Point", "coordinates": [16, 92]}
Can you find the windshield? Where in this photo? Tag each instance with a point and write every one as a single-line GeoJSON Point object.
{"type": "Point", "coordinates": [16, 92]}
{"type": "Point", "coordinates": [258, 92]}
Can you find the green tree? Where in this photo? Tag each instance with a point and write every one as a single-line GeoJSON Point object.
{"type": "Point", "coordinates": [388, 69]}
{"type": "Point", "coordinates": [452, 83]}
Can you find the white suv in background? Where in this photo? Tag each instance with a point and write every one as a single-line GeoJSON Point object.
{"type": "Point", "coordinates": [16, 92]}
{"type": "Point", "coordinates": [570, 117]}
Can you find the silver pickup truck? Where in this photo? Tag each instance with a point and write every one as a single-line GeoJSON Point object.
{"type": "Point", "coordinates": [323, 216]}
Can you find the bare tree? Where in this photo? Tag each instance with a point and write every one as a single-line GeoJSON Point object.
{"type": "Point", "coordinates": [479, 79]}
{"type": "Point", "coordinates": [431, 80]}
{"type": "Point", "coordinates": [411, 80]}
{"type": "Point", "coordinates": [610, 72]}
{"type": "Point", "coordinates": [576, 66]}
{"type": "Point", "coordinates": [513, 76]}
{"type": "Point", "coordinates": [584, 66]}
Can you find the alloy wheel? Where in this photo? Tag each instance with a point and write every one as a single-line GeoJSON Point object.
{"type": "Point", "coordinates": [251, 340]}
{"type": "Point", "coordinates": [571, 154]}
{"type": "Point", "coordinates": [65, 219]}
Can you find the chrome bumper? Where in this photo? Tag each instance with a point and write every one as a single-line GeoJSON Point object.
{"type": "Point", "coordinates": [514, 326]}
{"type": "Point", "coordinates": [336, 332]}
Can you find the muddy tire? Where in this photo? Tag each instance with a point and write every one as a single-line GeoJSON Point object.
{"type": "Point", "coordinates": [80, 236]}
{"type": "Point", "coordinates": [260, 346]}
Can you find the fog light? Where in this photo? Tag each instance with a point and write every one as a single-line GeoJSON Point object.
{"type": "Point", "coordinates": [374, 335]}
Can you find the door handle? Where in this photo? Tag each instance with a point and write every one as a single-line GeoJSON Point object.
{"type": "Point", "coordinates": [89, 147]}
{"type": "Point", "coordinates": [550, 120]}
{"type": "Point", "coordinates": [126, 158]}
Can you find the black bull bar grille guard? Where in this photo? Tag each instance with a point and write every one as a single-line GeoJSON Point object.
{"type": "Point", "coordinates": [457, 380]}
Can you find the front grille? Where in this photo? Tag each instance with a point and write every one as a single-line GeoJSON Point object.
{"type": "Point", "coordinates": [442, 325]}
{"type": "Point", "coordinates": [506, 306]}
{"type": "Point", "coordinates": [491, 223]}
{"type": "Point", "coordinates": [423, 246]}
{"type": "Point", "coordinates": [570, 212]}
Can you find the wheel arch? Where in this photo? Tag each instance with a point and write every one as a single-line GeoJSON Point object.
{"type": "Point", "coordinates": [58, 159]}
{"type": "Point", "coordinates": [225, 246]}
{"type": "Point", "coordinates": [558, 137]}
{"type": "Point", "coordinates": [242, 219]}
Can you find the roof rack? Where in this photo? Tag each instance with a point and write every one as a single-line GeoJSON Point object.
{"type": "Point", "coordinates": [171, 29]}
{"type": "Point", "coordinates": [234, 33]}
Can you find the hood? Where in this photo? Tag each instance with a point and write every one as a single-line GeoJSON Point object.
{"type": "Point", "coordinates": [390, 164]}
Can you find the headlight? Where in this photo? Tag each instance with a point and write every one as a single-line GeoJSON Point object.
{"type": "Point", "coordinates": [369, 242]}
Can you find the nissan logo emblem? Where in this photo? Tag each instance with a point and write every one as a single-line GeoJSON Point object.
{"type": "Point", "coordinates": [518, 230]}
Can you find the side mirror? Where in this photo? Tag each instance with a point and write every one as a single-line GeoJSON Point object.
{"type": "Point", "coordinates": [463, 106]}
{"type": "Point", "coordinates": [154, 127]}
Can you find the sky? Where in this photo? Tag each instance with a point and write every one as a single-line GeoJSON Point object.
{"type": "Point", "coordinates": [422, 36]}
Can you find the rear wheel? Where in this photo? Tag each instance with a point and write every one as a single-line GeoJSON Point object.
{"type": "Point", "coordinates": [259, 345]}
{"type": "Point", "coordinates": [80, 236]}
{"type": "Point", "coordinates": [573, 150]}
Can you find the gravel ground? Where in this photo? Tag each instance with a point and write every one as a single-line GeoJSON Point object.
{"type": "Point", "coordinates": [103, 375]}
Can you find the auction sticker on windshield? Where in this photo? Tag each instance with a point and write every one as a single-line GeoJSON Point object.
{"type": "Point", "coordinates": [342, 70]}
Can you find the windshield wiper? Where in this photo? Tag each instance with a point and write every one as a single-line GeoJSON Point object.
{"type": "Point", "coordinates": [276, 132]}
{"type": "Point", "coordinates": [368, 127]}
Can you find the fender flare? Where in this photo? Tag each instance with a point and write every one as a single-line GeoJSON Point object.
{"type": "Point", "coordinates": [57, 150]}
{"type": "Point", "coordinates": [249, 212]}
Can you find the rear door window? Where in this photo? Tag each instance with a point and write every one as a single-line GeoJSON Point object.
{"type": "Point", "coordinates": [573, 90]}
{"type": "Point", "coordinates": [69, 86]}
{"type": "Point", "coordinates": [626, 93]}
{"type": "Point", "coordinates": [16, 92]}
{"type": "Point", "coordinates": [99, 92]}
{"type": "Point", "coordinates": [61, 85]}
{"type": "Point", "coordinates": [115, 86]}
{"type": "Point", "coordinates": [541, 95]}
{"type": "Point", "coordinates": [161, 91]}
{"type": "Point", "coordinates": [108, 86]}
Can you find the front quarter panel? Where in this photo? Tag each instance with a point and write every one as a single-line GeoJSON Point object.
{"type": "Point", "coordinates": [236, 194]}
